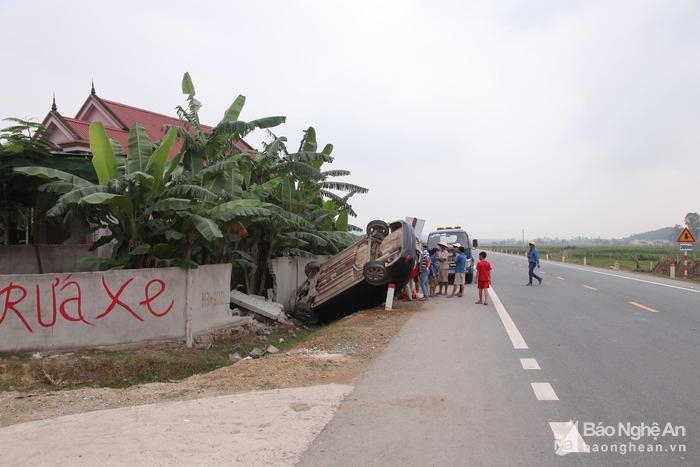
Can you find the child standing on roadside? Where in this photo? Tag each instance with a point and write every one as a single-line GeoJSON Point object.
{"type": "Point", "coordinates": [483, 278]}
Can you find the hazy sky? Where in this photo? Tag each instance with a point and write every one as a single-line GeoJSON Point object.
{"type": "Point", "coordinates": [562, 118]}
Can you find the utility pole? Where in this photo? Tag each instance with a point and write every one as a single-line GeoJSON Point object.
{"type": "Point", "coordinates": [523, 237]}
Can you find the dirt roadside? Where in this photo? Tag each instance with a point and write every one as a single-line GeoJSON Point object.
{"type": "Point", "coordinates": [337, 353]}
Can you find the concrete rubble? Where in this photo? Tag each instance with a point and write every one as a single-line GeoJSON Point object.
{"type": "Point", "coordinates": [259, 305]}
{"type": "Point", "coordinates": [256, 352]}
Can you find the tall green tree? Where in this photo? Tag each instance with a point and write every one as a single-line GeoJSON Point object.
{"type": "Point", "coordinates": [692, 220]}
{"type": "Point", "coordinates": [26, 143]}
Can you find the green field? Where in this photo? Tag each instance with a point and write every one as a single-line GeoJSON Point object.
{"type": "Point", "coordinates": [630, 258]}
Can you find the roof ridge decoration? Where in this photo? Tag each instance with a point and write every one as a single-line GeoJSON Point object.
{"type": "Point", "coordinates": [95, 101]}
{"type": "Point", "coordinates": [61, 121]}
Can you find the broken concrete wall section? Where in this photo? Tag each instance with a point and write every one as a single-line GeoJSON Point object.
{"type": "Point", "coordinates": [107, 308]}
{"type": "Point", "coordinates": [288, 274]}
{"type": "Point", "coordinates": [259, 305]}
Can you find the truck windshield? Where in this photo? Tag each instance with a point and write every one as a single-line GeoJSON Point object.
{"type": "Point", "coordinates": [449, 237]}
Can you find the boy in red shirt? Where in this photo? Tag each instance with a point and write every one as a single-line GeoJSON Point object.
{"type": "Point", "coordinates": [483, 278]}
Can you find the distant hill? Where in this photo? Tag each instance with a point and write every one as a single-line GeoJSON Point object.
{"type": "Point", "coordinates": [665, 233]}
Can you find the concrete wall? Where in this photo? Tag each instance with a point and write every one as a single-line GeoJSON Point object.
{"type": "Point", "coordinates": [93, 309]}
{"type": "Point", "coordinates": [209, 302]}
{"type": "Point", "coordinates": [22, 259]}
{"type": "Point", "coordinates": [288, 274]}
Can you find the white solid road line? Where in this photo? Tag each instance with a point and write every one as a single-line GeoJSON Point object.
{"type": "Point", "coordinates": [643, 307]}
{"type": "Point", "coordinates": [589, 287]}
{"type": "Point", "coordinates": [561, 278]}
{"type": "Point", "coordinates": [515, 337]}
{"type": "Point", "coordinates": [645, 281]}
{"type": "Point", "coordinates": [544, 392]}
{"type": "Point", "coordinates": [530, 364]}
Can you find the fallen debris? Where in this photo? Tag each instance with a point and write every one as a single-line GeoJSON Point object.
{"type": "Point", "coordinates": [272, 349]}
{"type": "Point", "coordinates": [256, 353]}
{"type": "Point", "coordinates": [259, 305]}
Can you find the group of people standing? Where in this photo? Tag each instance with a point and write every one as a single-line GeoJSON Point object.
{"type": "Point", "coordinates": [434, 268]}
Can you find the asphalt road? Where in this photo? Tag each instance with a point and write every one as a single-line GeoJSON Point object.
{"type": "Point", "coordinates": [617, 355]}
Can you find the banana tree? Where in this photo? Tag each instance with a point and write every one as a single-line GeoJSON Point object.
{"type": "Point", "coordinates": [202, 146]}
{"type": "Point", "coordinates": [147, 205]}
{"type": "Point", "coordinates": [124, 198]}
{"type": "Point", "coordinates": [301, 223]}
{"type": "Point", "coordinates": [214, 171]}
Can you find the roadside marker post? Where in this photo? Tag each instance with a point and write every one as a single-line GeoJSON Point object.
{"type": "Point", "coordinates": [686, 240]}
{"type": "Point", "coordinates": [389, 296]}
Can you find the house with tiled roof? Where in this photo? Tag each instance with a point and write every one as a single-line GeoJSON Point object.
{"type": "Point", "coordinates": [70, 135]}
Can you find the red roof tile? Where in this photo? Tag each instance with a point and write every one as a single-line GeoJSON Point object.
{"type": "Point", "coordinates": [153, 122]}
{"type": "Point", "coordinates": [83, 130]}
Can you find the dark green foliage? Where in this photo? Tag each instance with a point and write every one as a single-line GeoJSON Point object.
{"type": "Point", "coordinates": [224, 202]}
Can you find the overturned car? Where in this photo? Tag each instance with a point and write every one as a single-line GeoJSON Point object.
{"type": "Point", "coordinates": [357, 277]}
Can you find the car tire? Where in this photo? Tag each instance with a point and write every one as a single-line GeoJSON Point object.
{"type": "Point", "coordinates": [469, 278]}
{"type": "Point", "coordinates": [377, 228]}
{"type": "Point", "coordinates": [304, 312]}
{"type": "Point", "coordinates": [312, 268]}
{"type": "Point", "coordinates": [375, 273]}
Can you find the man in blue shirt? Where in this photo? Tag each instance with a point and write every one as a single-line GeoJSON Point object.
{"type": "Point", "coordinates": [460, 270]}
{"type": "Point", "coordinates": [533, 260]}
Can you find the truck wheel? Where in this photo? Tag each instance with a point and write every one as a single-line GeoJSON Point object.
{"type": "Point", "coordinates": [312, 268]}
{"type": "Point", "coordinates": [469, 277]}
{"type": "Point", "coordinates": [377, 228]}
{"type": "Point", "coordinates": [375, 273]}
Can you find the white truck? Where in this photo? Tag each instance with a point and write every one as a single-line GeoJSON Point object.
{"type": "Point", "coordinates": [450, 236]}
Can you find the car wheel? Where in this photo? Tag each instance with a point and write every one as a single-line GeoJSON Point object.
{"type": "Point", "coordinates": [304, 312]}
{"type": "Point", "coordinates": [375, 273]}
{"type": "Point", "coordinates": [469, 277]}
{"type": "Point", "coordinates": [377, 228]}
{"type": "Point", "coordinates": [312, 268]}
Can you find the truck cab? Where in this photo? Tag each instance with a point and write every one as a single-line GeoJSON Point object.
{"type": "Point", "coordinates": [450, 236]}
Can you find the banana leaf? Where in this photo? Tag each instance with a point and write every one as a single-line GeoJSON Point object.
{"type": "Point", "coordinates": [103, 158]}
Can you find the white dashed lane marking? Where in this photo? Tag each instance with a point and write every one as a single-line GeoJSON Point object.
{"type": "Point", "coordinates": [589, 287]}
{"type": "Point", "coordinates": [530, 364]}
{"type": "Point", "coordinates": [544, 392]}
